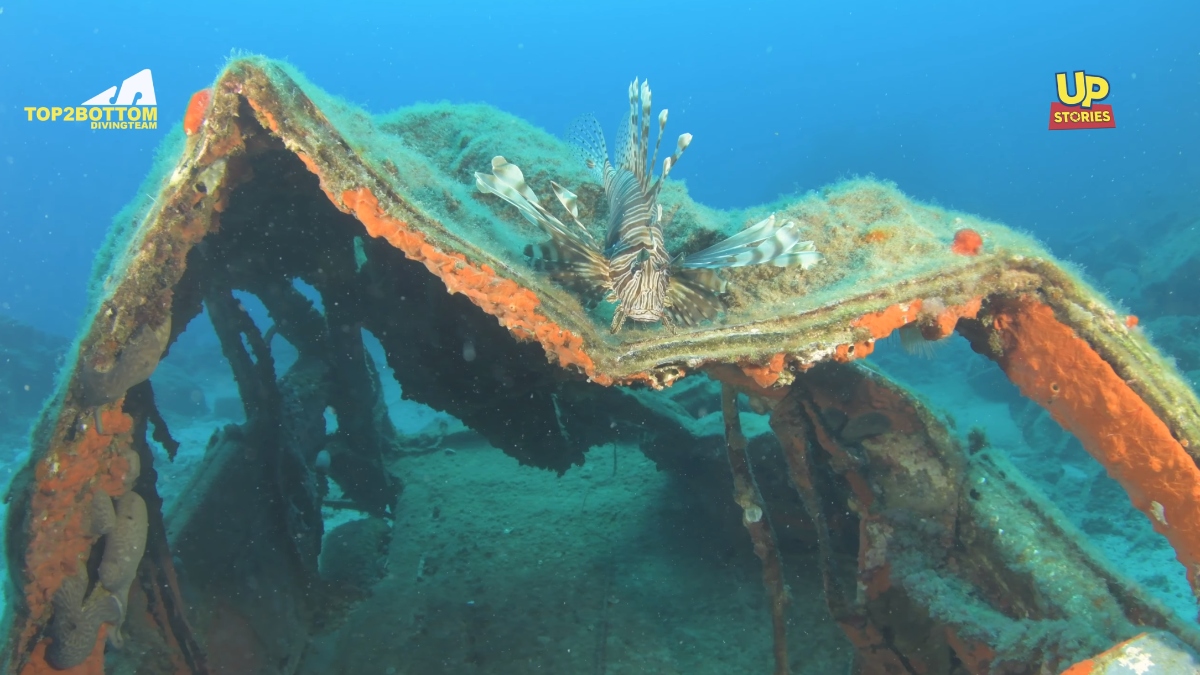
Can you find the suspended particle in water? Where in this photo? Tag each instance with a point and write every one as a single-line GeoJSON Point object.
{"type": "Point", "coordinates": [468, 351]}
{"type": "Point", "coordinates": [323, 461]}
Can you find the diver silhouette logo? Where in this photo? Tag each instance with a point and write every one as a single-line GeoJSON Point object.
{"type": "Point", "coordinates": [133, 105]}
{"type": "Point", "coordinates": [1077, 107]}
{"type": "Point", "coordinates": [140, 84]}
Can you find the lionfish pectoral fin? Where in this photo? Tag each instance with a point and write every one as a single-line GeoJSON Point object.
{"type": "Point", "coordinates": [570, 255]}
{"type": "Point", "coordinates": [694, 295]}
{"type": "Point", "coordinates": [570, 202]}
{"type": "Point", "coordinates": [508, 183]}
{"type": "Point", "coordinates": [567, 198]}
{"type": "Point", "coordinates": [767, 241]}
{"type": "Point", "coordinates": [573, 264]}
{"type": "Point", "coordinates": [803, 254]}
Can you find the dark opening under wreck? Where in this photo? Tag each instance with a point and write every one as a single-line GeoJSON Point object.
{"type": "Point", "coordinates": [276, 182]}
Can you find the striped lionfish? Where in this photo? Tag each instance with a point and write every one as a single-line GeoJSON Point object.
{"type": "Point", "coordinates": [634, 268]}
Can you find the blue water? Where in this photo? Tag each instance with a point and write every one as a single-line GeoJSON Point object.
{"type": "Point", "coordinates": [949, 102]}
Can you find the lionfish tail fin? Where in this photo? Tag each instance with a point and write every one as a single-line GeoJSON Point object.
{"type": "Point", "coordinates": [694, 295]}
{"type": "Point", "coordinates": [766, 242]}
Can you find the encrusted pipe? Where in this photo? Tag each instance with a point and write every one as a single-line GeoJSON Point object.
{"type": "Point", "coordinates": [746, 494]}
{"type": "Point", "coordinates": [790, 423]}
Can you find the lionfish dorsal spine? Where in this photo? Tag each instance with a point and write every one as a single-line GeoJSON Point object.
{"type": "Point", "coordinates": [644, 135]}
{"type": "Point", "coordinates": [627, 157]}
{"type": "Point", "coordinates": [662, 124]}
{"type": "Point", "coordinates": [681, 144]}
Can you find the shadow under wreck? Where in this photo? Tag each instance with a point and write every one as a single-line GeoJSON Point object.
{"type": "Point", "coordinates": [934, 558]}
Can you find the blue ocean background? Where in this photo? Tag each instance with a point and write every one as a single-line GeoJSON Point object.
{"type": "Point", "coordinates": [950, 101]}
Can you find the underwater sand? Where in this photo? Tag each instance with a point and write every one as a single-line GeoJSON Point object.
{"type": "Point", "coordinates": [498, 568]}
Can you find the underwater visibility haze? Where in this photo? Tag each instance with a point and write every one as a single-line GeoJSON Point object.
{"type": "Point", "coordinates": [600, 338]}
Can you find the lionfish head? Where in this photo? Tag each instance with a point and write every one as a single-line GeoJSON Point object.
{"type": "Point", "coordinates": [644, 297]}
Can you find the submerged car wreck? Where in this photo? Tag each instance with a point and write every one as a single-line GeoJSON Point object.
{"type": "Point", "coordinates": [935, 558]}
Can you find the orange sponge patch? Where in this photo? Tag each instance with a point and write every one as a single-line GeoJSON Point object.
{"type": "Point", "coordinates": [967, 242]}
{"type": "Point", "coordinates": [512, 304]}
{"type": "Point", "coordinates": [67, 472]}
{"type": "Point", "coordinates": [765, 374]}
{"type": "Point", "coordinates": [197, 108]}
{"type": "Point", "coordinates": [882, 323]}
{"type": "Point", "coordinates": [1061, 371]}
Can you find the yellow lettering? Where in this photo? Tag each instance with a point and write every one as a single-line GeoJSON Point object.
{"type": "Point", "coordinates": [1096, 89]}
{"type": "Point", "coordinates": [1064, 94]}
{"type": "Point", "coordinates": [29, 112]}
{"type": "Point", "coordinates": [55, 113]}
{"type": "Point", "coordinates": [150, 114]}
{"type": "Point", "coordinates": [43, 114]}
{"type": "Point", "coordinates": [94, 114]}
{"type": "Point", "coordinates": [134, 114]}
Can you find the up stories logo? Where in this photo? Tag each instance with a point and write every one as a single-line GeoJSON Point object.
{"type": "Point", "coordinates": [1080, 109]}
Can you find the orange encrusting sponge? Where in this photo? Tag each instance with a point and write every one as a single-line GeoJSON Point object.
{"type": "Point", "coordinates": [197, 108]}
{"type": "Point", "coordinates": [56, 547]}
{"type": "Point", "coordinates": [513, 305]}
{"type": "Point", "coordinates": [967, 242]}
{"type": "Point", "coordinates": [1053, 366]}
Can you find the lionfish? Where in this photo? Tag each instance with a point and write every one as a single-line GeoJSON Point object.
{"type": "Point", "coordinates": [634, 268]}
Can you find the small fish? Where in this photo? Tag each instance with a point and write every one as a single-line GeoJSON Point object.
{"type": "Point", "coordinates": [633, 268]}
